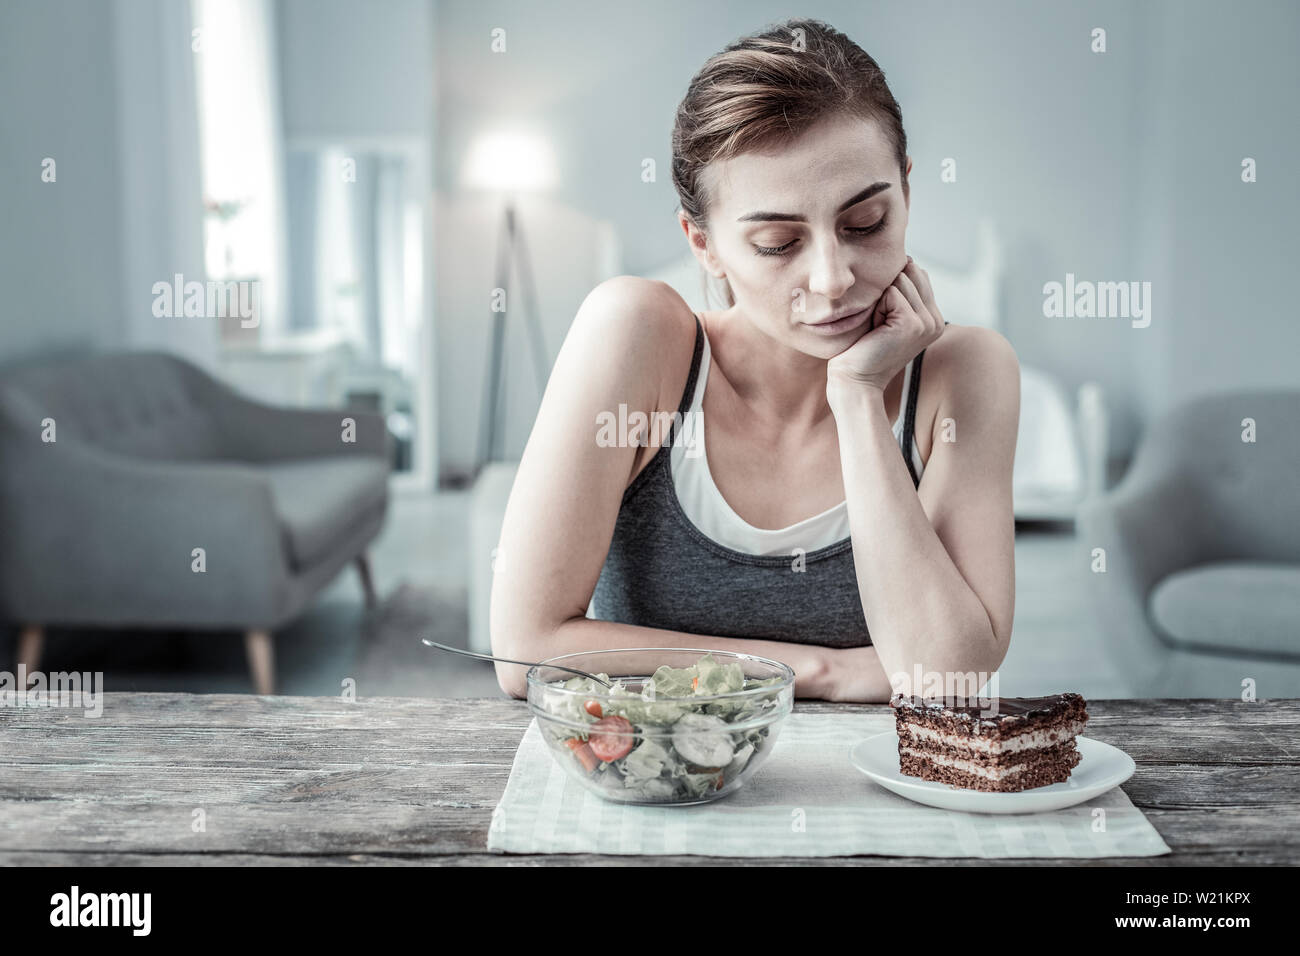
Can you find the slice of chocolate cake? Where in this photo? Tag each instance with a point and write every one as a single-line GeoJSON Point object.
{"type": "Point", "coordinates": [1001, 744]}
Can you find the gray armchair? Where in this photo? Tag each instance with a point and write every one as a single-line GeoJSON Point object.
{"type": "Point", "coordinates": [151, 459]}
{"type": "Point", "coordinates": [1202, 540]}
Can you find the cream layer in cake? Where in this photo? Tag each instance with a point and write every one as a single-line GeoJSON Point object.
{"type": "Point", "coordinates": [1033, 739]}
{"type": "Point", "coordinates": [972, 767]}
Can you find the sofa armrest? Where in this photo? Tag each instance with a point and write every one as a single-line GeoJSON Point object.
{"type": "Point", "coordinates": [93, 537]}
{"type": "Point", "coordinates": [255, 431]}
{"type": "Point", "coordinates": [1150, 526]}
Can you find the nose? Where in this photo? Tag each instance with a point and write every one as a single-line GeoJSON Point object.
{"type": "Point", "coordinates": [830, 274]}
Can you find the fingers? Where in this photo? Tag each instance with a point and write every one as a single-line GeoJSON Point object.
{"type": "Point", "coordinates": [907, 287]}
{"type": "Point", "coordinates": [921, 281]}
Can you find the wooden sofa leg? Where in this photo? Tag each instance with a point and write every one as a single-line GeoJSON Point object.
{"type": "Point", "coordinates": [261, 661]}
{"type": "Point", "coordinates": [31, 640]}
{"type": "Point", "coordinates": [367, 582]}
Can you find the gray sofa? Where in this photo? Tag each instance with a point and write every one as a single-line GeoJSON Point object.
{"type": "Point", "coordinates": [152, 459]}
{"type": "Point", "coordinates": [1201, 590]}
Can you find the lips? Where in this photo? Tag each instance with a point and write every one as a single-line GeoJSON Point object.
{"type": "Point", "coordinates": [841, 324]}
{"type": "Point", "coordinates": [838, 316]}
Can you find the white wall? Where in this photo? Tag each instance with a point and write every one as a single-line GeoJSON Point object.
{"type": "Point", "coordinates": [1223, 86]}
{"type": "Point", "coordinates": [106, 90]}
{"type": "Point", "coordinates": [353, 69]}
{"type": "Point", "coordinates": [60, 261]}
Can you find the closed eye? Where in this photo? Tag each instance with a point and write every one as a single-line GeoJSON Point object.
{"type": "Point", "coordinates": [856, 230]}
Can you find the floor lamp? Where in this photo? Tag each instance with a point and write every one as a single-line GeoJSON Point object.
{"type": "Point", "coordinates": [512, 251]}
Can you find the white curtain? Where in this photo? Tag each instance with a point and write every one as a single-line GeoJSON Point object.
{"type": "Point", "coordinates": [160, 170]}
{"type": "Point", "coordinates": [391, 261]}
{"type": "Point", "coordinates": [242, 149]}
{"type": "Point", "coordinates": [356, 251]}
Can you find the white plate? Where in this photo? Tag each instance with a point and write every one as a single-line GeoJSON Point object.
{"type": "Point", "coordinates": [1101, 767]}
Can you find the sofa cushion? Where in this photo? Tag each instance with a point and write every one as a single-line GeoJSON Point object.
{"type": "Point", "coordinates": [1232, 607]}
{"type": "Point", "coordinates": [319, 499]}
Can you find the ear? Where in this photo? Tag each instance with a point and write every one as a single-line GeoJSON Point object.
{"type": "Point", "coordinates": [907, 193]}
{"type": "Point", "coordinates": [699, 244]}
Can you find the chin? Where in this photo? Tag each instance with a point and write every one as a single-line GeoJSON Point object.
{"type": "Point", "coordinates": [824, 350]}
{"type": "Point", "coordinates": [812, 343]}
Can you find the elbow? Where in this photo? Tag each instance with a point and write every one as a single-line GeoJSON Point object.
{"type": "Point", "coordinates": [999, 653]}
{"type": "Point", "coordinates": [999, 642]}
{"type": "Point", "coordinates": [994, 652]}
{"type": "Point", "coordinates": [519, 641]}
{"type": "Point", "coordinates": [511, 682]}
{"type": "Point", "coordinates": [971, 664]}
{"type": "Point", "coordinates": [512, 678]}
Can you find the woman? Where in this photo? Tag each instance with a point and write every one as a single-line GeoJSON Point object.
{"type": "Point", "coordinates": [797, 531]}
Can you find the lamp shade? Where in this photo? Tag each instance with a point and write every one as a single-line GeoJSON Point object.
{"type": "Point", "coordinates": [509, 160]}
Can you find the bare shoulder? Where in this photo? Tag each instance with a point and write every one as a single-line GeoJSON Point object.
{"type": "Point", "coordinates": [644, 310]}
{"type": "Point", "coordinates": [970, 355]}
{"type": "Point", "coordinates": [644, 328]}
{"type": "Point", "coordinates": [972, 365]}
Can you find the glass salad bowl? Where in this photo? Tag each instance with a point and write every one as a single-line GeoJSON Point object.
{"type": "Point", "coordinates": [692, 731]}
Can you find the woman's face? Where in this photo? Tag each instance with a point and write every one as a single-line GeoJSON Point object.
{"type": "Point", "coordinates": [809, 232]}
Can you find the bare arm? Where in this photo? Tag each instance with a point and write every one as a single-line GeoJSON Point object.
{"type": "Point", "coordinates": [936, 566]}
{"type": "Point", "coordinates": [566, 496]}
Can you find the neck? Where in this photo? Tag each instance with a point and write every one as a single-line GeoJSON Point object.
{"type": "Point", "coordinates": [779, 384]}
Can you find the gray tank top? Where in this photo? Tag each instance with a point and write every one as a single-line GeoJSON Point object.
{"type": "Point", "coordinates": [663, 572]}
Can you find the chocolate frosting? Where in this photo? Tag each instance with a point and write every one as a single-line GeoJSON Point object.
{"type": "Point", "coordinates": [990, 709]}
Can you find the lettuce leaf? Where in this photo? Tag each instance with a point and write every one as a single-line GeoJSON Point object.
{"type": "Point", "coordinates": [718, 678]}
{"type": "Point", "coordinates": [646, 762]}
{"type": "Point", "coordinates": [673, 682]}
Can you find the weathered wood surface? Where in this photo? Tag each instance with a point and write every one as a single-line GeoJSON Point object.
{"type": "Point", "coordinates": [399, 781]}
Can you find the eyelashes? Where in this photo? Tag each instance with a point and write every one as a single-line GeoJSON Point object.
{"type": "Point", "coordinates": [778, 251]}
{"type": "Point", "coordinates": [860, 232]}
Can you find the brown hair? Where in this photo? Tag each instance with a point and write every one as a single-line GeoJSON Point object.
{"type": "Point", "coordinates": [765, 90]}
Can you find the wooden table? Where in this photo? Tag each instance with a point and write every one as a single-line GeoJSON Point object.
{"type": "Point", "coordinates": [319, 780]}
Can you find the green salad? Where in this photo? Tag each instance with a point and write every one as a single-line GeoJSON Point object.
{"type": "Point", "coordinates": [654, 741]}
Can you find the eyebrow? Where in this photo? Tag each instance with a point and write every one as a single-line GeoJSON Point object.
{"type": "Point", "coordinates": [791, 217]}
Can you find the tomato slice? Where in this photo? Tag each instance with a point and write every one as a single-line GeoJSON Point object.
{"type": "Point", "coordinates": [593, 707]}
{"type": "Point", "coordinates": [611, 737]}
{"type": "Point", "coordinates": [582, 751]}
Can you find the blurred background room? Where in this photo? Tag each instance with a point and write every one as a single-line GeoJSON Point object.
{"type": "Point", "coordinates": [184, 506]}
